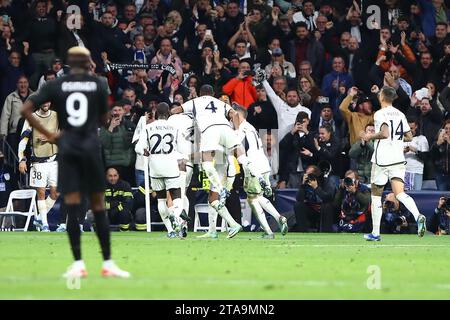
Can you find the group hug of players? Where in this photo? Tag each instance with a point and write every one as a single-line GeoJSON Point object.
{"type": "Point", "coordinates": [205, 128]}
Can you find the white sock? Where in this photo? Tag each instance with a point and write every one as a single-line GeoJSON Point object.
{"type": "Point", "coordinates": [50, 203]}
{"type": "Point", "coordinates": [377, 212]}
{"type": "Point", "coordinates": [164, 213]}
{"type": "Point", "coordinates": [248, 166]}
{"type": "Point", "coordinates": [212, 219]}
{"type": "Point", "coordinates": [108, 263]}
{"type": "Point", "coordinates": [231, 172]}
{"type": "Point", "coordinates": [268, 207]}
{"type": "Point", "coordinates": [224, 214]}
{"type": "Point", "coordinates": [42, 208]}
{"type": "Point", "coordinates": [212, 174]}
{"type": "Point", "coordinates": [177, 207]}
{"type": "Point", "coordinates": [79, 264]}
{"type": "Point", "coordinates": [260, 215]}
{"type": "Point", "coordinates": [409, 203]}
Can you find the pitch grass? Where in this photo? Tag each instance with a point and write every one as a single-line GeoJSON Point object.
{"type": "Point", "coordinates": [298, 266]}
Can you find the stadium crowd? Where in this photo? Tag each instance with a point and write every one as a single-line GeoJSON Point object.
{"type": "Point", "coordinates": [325, 62]}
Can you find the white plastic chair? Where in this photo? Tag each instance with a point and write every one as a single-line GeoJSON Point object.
{"type": "Point", "coordinates": [204, 208]}
{"type": "Point", "coordinates": [10, 212]}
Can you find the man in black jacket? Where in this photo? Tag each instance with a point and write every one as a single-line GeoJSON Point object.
{"type": "Point", "coordinates": [313, 208]}
{"type": "Point", "coordinates": [118, 199]}
{"type": "Point", "coordinates": [261, 113]}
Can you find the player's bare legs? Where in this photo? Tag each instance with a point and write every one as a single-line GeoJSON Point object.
{"type": "Point", "coordinates": [44, 206]}
{"type": "Point", "coordinates": [398, 187]}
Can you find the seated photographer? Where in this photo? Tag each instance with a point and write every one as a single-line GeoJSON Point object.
{"type": "Point", "coordinates": [352, 200]}
{"type": "Point", "coordinates": [396, 218]}
{"type": "Point", "coordinates": [439, 221]}
{"type": "Point", "coordinates": [313, 208]}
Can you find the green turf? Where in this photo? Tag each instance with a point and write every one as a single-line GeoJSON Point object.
{"type": "Point", "coordinates": [298, 266]}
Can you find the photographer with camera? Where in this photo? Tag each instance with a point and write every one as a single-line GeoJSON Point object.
{"type": "Point", "coordinates": [314, 206]}
{"type": "Point", "coordinates": [440, 153]}
{"type": "Point", "coordinates": [396, 218]}
{"type": "Point", "coordinates": [439, 221]}
{"type": "Point", "coordinates": [241, 89]}
{"type": "Point", "coordinates": [352, 200]}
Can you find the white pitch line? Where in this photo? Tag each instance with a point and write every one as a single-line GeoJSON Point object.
{"type": "Point", "coordinates": [361, 245]}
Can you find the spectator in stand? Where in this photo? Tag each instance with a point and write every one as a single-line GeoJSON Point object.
{"type": "Point", "coordinates": [286, 111]}
{"type": "Point", "coordinates": [259, 26]}
{"type": "Point", "coordinates": [11, 112]}
{"type": "Point", "coordinates": [428, 115]}
{"type": "Point", "coordinates": [361, 154]}
{"type": "Point", "coordinates": [12, 67]}
{"type": "Point", "coordinates": [358, 119]}
{"type": "Point", "coordinates": [432, 12]}
{"type": "Point", "coordinates": [288, 69]}
{"type": "Point", "coordinates": [307, 15]}
{"type": "Point", "coordinates": [424, 71]}
{"type": "Point", "coordinates": [444, 98]}
{"type": "Point", "coordinates": [115, 139]}
{"type": "Point", "coordinates": [73, 34]}
{"type": "Point", "coordinates": [339, 77]}
{"type": "Point", "coordinates": [165, 55]}
{"type": "Point", "coordinates": [294, 152]}
{"type": "Point", "coordinates": [228, 26]}
{"type": "Point", "coordinates": [303, 47]}
{"type": "Point", "coordinates": [309, 92]}
{"type": "Point", "coordinates": [415, 153]}
{"type": "Point", "coordinates": [242, 43]}
{"type": "Point", "coordinates": [57, 69]}
{"type": "Point", "coordinates": [240, 89]}
{"type": "Point", "coordinates": [39, 36]}
{"type": "Point", "coordinates": [440, 153]}
{"type": "Point", "coordinates": [261, 113]}
{"type": "Point", "coordinates": [439, 222]}
{"type": "Point", "coordinates": [438, 41]}
{"type": "Point", "coordinates": [323, 118]}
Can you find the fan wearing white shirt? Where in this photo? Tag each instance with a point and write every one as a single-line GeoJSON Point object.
{"type": "Point", "coordinates": [388, 161]}
{"type": "Point", "coordinates": [414, 164]}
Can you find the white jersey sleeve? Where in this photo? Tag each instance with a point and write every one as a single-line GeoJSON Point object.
{"type": "Point", "coordinates": [389, 151]}
{"type": "Point", "coordinates": [184, 122]}
{"type": "Point", "coordinates": [253, 147]}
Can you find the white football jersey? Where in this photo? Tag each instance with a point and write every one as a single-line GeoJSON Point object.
{"type": "Point", "coordinates": [207, 111]}
{"type": "Point", "coordinates": [390, 151]}
{"type": "Point", "coordinates": [160, 139]}
{"type": "Point", "coordinates": [253, 147]}
{"type": "Point", "coordinates": [184, 122]}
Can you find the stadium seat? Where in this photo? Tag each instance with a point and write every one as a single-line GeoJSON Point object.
{"type": "Point", "coordinates": [10, 212]}
{"type": "Point", "coordinates": [429, 185]}
{"type": "Point", "coordinates": [204, 208]}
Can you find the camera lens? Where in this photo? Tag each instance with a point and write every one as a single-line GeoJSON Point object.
{"type": "Point", "coordinates": [348, 182]}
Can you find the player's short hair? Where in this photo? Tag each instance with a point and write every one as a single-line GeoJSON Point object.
{"type": "Point", "coordinates": [79, 57]}
{"type": "Point", "coordinates": [389, 94]}
{"type": "Point", "coordinates": [206, 90]}
{"type": "Point", "coordinates": [162, 110]}
{"type": "Point", "coordinates": [370, 124]}
{"type": "Point", "coordinates": [242, 111]}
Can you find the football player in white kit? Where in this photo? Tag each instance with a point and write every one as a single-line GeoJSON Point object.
{"type": "Point", "coordinates": [158, 141]}
{"type": "Point", "coordinates": [254, 150]}
{"type": "Point", "coordinates": [211, 115]}
{"type": "Point", "coordinates": [388, 161]}
{"type": "Point", "coordinates": [186, 143]}
{"type": "Point", "coordinates": [44, 167]}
